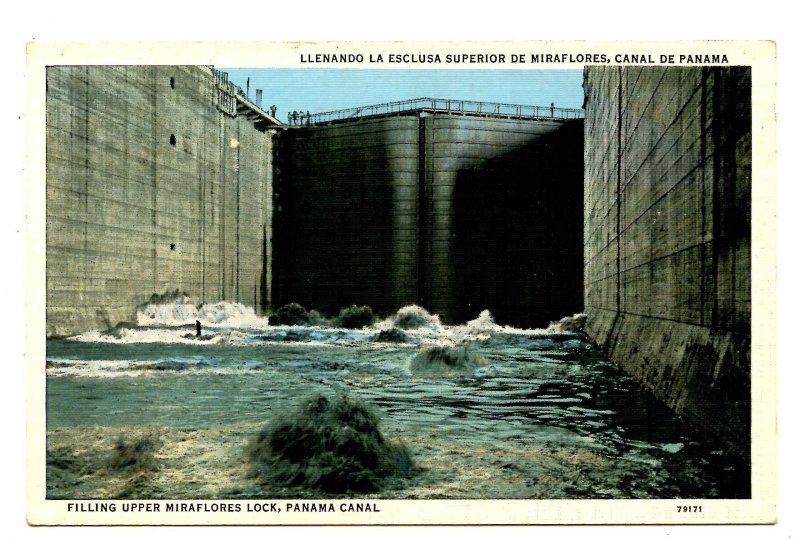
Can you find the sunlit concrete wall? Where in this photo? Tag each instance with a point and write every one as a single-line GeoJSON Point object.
{"type": "Point", "coordinates": [150, 188]}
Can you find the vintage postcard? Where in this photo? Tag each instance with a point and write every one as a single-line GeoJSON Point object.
{"type": "Point", "coordinates": [401, 283]}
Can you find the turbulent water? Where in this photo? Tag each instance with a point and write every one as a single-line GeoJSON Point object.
{"type": "Point", "coordinates": [487, 411]}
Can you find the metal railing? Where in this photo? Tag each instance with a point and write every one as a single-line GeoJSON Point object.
{"type": "Point", "coordinates": [221, 78]}
{"type": "Point", "coordinates": [450, 106]}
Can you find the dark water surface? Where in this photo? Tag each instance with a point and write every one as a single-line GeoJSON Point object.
{"type": "Point", "coordinates": [527, 391]}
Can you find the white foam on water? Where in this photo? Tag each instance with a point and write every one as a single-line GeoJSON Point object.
{"type": "Point", "coordinates": [573, 323]}
{"type": "Point", "coordinates": [160, 335]}
{"type": "Point", "coordinates": [231, 315]}
{"type": "Point", "coordinates": [483, 327]}
{"type": "Point", "coordinates": [409, 318]}
{"type": "Point", "coordinates": [484, 323]}
{"type": "Point", "coordinates": [178, 312]}
{"type": "Point", "coordinates": [94, 368]}
{"type": "Point", "coordinates": [672, 448]}
{"type": "Point", "coordinates": [479, 328]}
{"type": "Point", "coordinates": [238, 324]}
{"type": "Point", "coordinates": [114, 369]}
{"type": "Point", "coordinates": [182, 311]}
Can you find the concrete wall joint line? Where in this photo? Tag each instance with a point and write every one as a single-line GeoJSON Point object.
{"type": "Point", "coordinates": [666, 130]}
{"type": "Point", "coordinates": [647, 105]}
{"type": "Point", "coordinates": [663, 196]}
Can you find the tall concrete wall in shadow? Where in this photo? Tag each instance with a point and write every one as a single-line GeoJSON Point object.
{"type": "Point", "coordinates": [345, 215]}
{"type": "Point", "coordinates": [667, 236]}
{"type": "Point", "coordinates": [454, 213]}
{"type": "Point", "coordinates": [503, 218]}
{"type": "Point", "coordinates": [151, 187]}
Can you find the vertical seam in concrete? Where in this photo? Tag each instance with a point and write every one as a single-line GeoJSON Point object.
{"type": "Point", "coordinates": [260, 152]}
{"type": "Point", "coordinates": [201, 164]}
{"type": "Point", "coordinates": [154, 103]}
{"type": "Point", "coordinates": [703, 191]}
{"type": "Point", "coordinates": [422, 211]}
{"type": "Point", "coordinates": [222, 169]}
{"type": "Point", "coordinates": [278, 266]}
{"type": "Point", "coordinates": [619, 193]}
{"type": "Point", "coordinates": [269, 194]}
{"type": "Point", "coordinates": [263, 300]}
{"type": "Point", "coordinates": [127, 153]}
{"type": "Point", "coordinates": [731, 199]}
{"type": "Point", "coordinates": [86, 165]}
{"type": "Point", "coordinates": [238, 200]}
{"type": "Point", "coordinates": [716, 225]}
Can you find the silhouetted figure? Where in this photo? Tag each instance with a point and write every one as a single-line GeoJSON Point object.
{"type": "Point", "coordinates": [273, 111]}
{"type": "Point", "coordinates": [308, 118]}
{"type": "Point", "coordinates": [289, 116]}
{"type": "Point", "coordinates": [552, 110]}
{"type": "Point", "coordinates": [198, 328]}
{"type": "Point", "coordinates": [294, 118]}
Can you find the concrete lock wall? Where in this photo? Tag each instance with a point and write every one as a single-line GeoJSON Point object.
{"type": "Point", "coordinates": [345, 207]}
{"type": "Point", "coordinates": [667, 236]}
{"type": "Point", "coordinates": [151, 187]}
{"type": "Point", "coordinates": [503, 211]}
{"type": "Point", "coordinates": [454, 213]}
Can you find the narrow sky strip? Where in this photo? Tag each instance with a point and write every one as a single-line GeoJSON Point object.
{"type": "Point", "coordinates": [320, 89]}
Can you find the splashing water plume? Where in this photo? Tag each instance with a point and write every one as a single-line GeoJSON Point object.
{"type": "Point", "coordinates": [330, 444]}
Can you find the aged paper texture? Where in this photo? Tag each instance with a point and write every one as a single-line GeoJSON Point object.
{"type": "Point", "coordinates": [401, 283]}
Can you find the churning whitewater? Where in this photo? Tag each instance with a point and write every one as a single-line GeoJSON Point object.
{"type": "Point", "coordinates": [399, 407]}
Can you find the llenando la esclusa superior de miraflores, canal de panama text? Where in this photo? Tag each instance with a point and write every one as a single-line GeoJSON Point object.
{"type": "Point", "coordinates": [501, 58]}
